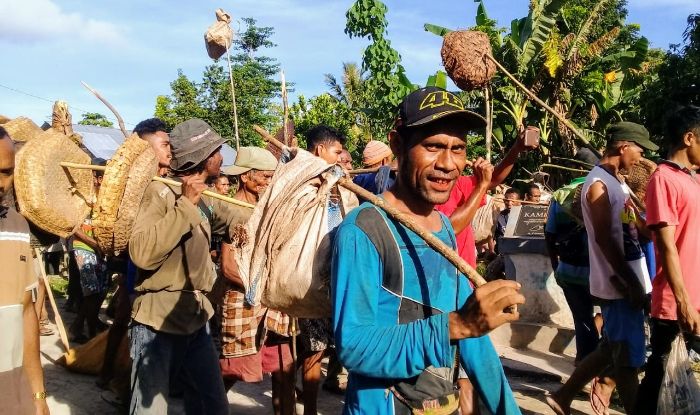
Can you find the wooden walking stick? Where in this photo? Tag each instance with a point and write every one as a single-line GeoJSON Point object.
{"type": "Point", "coordinates": [400, 217]}
{"type": "Point", "coordinates": [59, 321]}
{"type": "Point", "coordinates": [162, 180]}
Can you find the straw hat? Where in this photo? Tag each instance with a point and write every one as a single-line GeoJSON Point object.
{"type": "Point", "coordinates": [54, 198]}
{"type": "Point", "coordinates": [22, 129]}
{"type": "Point", "coordinates": [128, 174]}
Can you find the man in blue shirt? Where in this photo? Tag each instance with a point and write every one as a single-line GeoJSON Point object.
{"type": "Point", "coordinates": [401, 310]}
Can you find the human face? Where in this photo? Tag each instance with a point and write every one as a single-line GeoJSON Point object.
{"type": "Point", "coordinates": [213, 165]}
{"type": "Point", "coordinates": [345, 160]}
{"type": "Point", "coordinates": [329, 152]}
{"type": "Point", "coordinates": [431, 161]}
{"type": "Point", "coordinates": [222, 185]}
{"type": "Point", "coordinates": [534, 195]}
{"type": "Point", "coordinates": [511, 199]}
{"type": "Point", "coordinates": [256, 181]}
{"type": "Point", "coordinates": [630, 154]}
{"type": "Point", "coordinates": [160, 142]}
{"type": "Point", "coordinates": [7, 166]}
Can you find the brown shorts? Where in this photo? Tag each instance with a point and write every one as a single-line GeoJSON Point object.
{"type": "Point", "coordinates": [250, 369]}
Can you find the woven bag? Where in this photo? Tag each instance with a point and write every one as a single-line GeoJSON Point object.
{"type": "Point", "coordinates": [54, 198]}
{"type": "Point", "coordinates": [128, 172]}
{"type": "Point", "coordinates": [638, 177]}
{"type": "Point", "coordinates": [219, 36]}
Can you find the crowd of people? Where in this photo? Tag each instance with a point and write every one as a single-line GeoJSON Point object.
{"type": "Point", "coordinates": [407, 331]}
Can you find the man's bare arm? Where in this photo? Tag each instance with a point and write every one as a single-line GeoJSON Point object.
{"type": "Point", "coordinates": [32, 361]}
{"type": "Point", "coordinates": [463, 216]}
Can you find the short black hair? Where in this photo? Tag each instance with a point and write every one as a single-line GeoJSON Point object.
{"type": "Point", "coordinates": [3, 133]}
{"type": "Point", "coordinates": [679, 122]}
{"type": "Point", "coordinates": [323, 134]}
{"type": "Point", "coordinates": [150, 126]}
{"type": "Point", "coordinates": [512, 191]}
{"type": "Point", "coordinates": [532, 186]}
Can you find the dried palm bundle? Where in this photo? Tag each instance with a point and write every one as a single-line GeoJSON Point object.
{"type": "Point", "coordinates": [22, 129]}
{"type": "Point", "coordinates": [465, 54]}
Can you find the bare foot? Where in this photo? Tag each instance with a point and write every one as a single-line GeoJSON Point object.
{"type": "Point", "coordinates": [556, 406]}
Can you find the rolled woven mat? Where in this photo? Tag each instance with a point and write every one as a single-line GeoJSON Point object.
{"type": "Point", "coordinates": [55, 199]}
{"type": "Point", "coordinates": [128, 172]}
{"type": "Point", "coordinates": [22, 129]}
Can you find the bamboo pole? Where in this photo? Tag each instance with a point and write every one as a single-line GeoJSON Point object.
{"type": "Point", "coordinates": [554, 166]}
{"type": "Point", "coordinates": [551, 110]}
{"type": "Point", "coordinates": [162, 180]}
{"type": "Point", "coordinates": [402, 218]}
{"type": "Point", "coordinates": [233, 98]}
{"type": "Point", "coordinates": [57, 316]}
{"type": "Point", "coordinates": [285, 108]}
{"type": "Point", "coordinates": [489, 121]}
{"type": "Point", "coordinates": [120, 121]}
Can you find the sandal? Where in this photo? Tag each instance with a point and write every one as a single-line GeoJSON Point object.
{"type": "Point", "coordinates": [44, 328]}
{"type": "Point", "coordinates": [599, 402]}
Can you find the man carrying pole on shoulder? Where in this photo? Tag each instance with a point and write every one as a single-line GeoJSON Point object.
{"type": "Point", "coordinates": [404, 318]}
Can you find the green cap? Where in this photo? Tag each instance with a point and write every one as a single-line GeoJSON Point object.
{"type": "Point", "coordinates": [629, 131]}
{"type": "Point", "coordinates": [192, 141]}
{"type": "Point", "coordinates": [251, 158]}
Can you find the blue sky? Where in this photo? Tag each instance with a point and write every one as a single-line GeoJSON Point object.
{"type": "Point", "coordinates": [130, 50]}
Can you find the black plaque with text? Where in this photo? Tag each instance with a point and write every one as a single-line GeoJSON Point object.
{"type": "Point", "coordinates": [531, 220]}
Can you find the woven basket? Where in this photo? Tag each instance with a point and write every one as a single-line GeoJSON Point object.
{"type": "Point", "coordinates": [54, 198]}
{"type": "Point", "coordinates": [128, 173]}
{"type": "Point", "coordinates": [23, 129]}
{"type": "Point", "coordinates": [638, 177]}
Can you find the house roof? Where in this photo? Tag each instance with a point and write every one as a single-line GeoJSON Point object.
{"type": "Point", "coordinates": [103, 142]}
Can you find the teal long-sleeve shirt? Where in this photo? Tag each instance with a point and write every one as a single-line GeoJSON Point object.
{"type": "Point", "coordinates": [374, 344]}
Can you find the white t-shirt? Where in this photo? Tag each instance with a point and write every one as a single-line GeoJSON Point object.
{"type": "Point", "coordinates": [623, 231]}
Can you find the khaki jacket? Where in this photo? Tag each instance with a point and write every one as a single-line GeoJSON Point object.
{"type": "Point", "coordinates": [170, 245]}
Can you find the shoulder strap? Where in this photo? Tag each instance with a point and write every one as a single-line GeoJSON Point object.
{"type": "Point", "coordinates": [374, 225]}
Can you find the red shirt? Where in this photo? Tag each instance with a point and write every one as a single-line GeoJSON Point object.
{"type": "Point", "coordinates": [673, 198]}
{"type": "Point", "coordinates": [466, 245]}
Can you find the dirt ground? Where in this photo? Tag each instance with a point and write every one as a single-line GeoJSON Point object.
{"type": "Point", "coordinates": [530, 375]}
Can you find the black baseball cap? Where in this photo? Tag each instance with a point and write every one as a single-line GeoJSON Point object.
{"type": "Point", "coordinates": [630, 131]}
{"type": "Point", "coordinates": [429, 104]}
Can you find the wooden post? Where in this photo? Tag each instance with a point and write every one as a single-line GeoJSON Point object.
{"type": "Point", "coordinates": [120, 121]}
{"type": "Point", "coordinates": [162, 180]}
{"type": "Point", "coordinates": [59, 321]}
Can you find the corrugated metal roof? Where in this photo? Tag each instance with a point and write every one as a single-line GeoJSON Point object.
{"type": "Point", "coordinates": [100, 141]}
{"type": "Point", "coordinates": [103, 142]}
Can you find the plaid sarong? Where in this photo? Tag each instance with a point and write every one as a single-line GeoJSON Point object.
{"type": "Point", "coordinates": [244, 327]}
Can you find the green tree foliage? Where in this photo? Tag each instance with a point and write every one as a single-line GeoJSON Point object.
{"type": "Point", "coordinates": [387, 83]}
{"type": "Point", "coordinates": [94, 118]}
{"type": "Point", "coordinates": [322, 109]}
{"type": "Point", "coordinates": [579, 56]}
{"type": "Point", "coordinates": [210, 99]}
{"type": "Point", "coordinates": [678, 80]}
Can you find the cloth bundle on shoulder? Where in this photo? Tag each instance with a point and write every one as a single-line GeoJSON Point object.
{"type": "Point", "coordinates": [284, 257]}
{"type": "Point", "coordinates": [219, 36]}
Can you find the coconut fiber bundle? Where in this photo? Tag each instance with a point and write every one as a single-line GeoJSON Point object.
{"type": "Point", "coordinates": [464, 54]}
{"type": "Point", "coordinates": [287, 268]}
{"type": "Point", "coordinates": [54, 198]}
{"type": "Point", "coordinates": [128, 172]}
{"type": "Point", "coordinates": [219, 36]}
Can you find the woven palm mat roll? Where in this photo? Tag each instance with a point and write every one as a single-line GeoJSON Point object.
{"type": "Point", "coordinates": [54, 198]}
{"type": "Point", "coordinates": [638, 176]}
{"type": "Point", "coordinates": [128, 172]}
{"type": "Point", "coordinates": [22, 129]}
